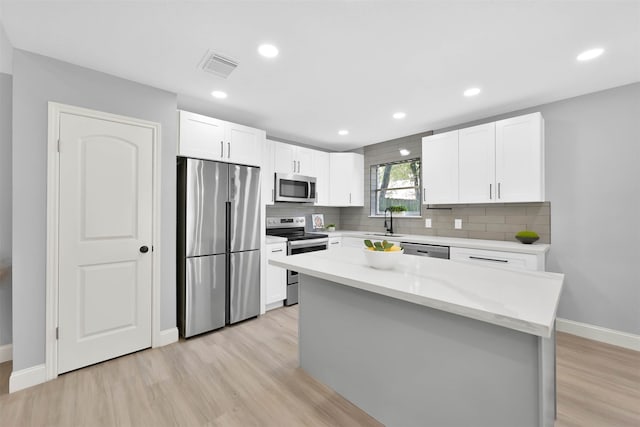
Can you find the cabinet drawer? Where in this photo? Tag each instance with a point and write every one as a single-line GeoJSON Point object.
{"type": "Point", "coordinates": [335, 242]}
{"type": "Point", "coordinates": [496, 258]}
{"type": "Point", "coordinates": [275, 250]}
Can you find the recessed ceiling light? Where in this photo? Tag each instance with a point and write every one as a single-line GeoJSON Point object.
{"type": "Point", "coordinates": [219, 94]}
{"type": "Point", "coordinates": [268, 50]}
{"type": "Point", "coordinates": [343, 132]}
{"type": "Point", "coordinates": [404, 152]}
{"type": "Point", "coordinates": [472, 91]}
{"type": "Point", "coordinates": [399, 115]}
{"type": "Point", "coordinates": [590, 54]}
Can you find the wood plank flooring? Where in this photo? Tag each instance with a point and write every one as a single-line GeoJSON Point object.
{"type": "Point", "coordinates": [247, 375]}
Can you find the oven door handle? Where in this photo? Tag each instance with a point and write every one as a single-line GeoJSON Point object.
{"type": "Point", "coordinates": [308, 243]}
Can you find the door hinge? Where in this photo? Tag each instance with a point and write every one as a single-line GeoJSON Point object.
{"type": "Point", "coordinates": [57, 332]}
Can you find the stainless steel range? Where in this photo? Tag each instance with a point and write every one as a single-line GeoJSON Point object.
{"type": "Point", "coordinates": [298, 242]}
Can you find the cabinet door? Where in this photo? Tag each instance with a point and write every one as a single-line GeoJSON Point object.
{"type": "Point", "coordinates": [284, 160]}
{"type": "Point", "coordinates": [339, 165]}
{"type": "Point", "coordinates": [267, 173]}
{"type": "Point", "coordinates": [243, 144]}
{"type": "Point", "coordinates": [440, 168]}
{"type": "Point", "coordinates": [201, 137]}
{"type": "Point", "coordinates": [356, 192]}
{"type": "Point", "coordinates": [520, 159]}
{"type": "Point", "coordinates": [304, 161]}
{"type": "Point", "coordinates": [321, 172]}
{"type": "Point", "coordinates": [276, 276]}
{"type": "Point", "coordinates": [476, 163]}
{"type": "Point", "coordinates": [353, 242]}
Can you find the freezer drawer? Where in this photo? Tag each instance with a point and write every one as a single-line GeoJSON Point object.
{"type": "Point", "coordinates": [244, 285]}
{"type": "Point", "coordinates": [205, 294]}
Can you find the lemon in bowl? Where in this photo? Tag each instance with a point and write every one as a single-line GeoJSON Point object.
{"type": "Point", "coordinates": [381, 255]}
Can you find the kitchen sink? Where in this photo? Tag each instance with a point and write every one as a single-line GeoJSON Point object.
{"type": "Point", "coordinates": [384, 234]}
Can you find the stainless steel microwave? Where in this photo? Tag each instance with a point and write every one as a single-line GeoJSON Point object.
{"type": "Point", "coordinates": [295, 188]}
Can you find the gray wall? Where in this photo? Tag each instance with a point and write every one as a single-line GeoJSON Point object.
{"type": "Point", "coordinates": [5, 207]}
{"type": "Point", "coordinates": [37, 80]}
{"type": "Point", "coordinates": [593, 185]}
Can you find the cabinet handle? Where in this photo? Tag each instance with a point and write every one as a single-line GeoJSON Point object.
{"type": "Point", "coordinates": [273, 195]}
{"type": "Point", "coordinates": [294, 166]}
{"type": "Point", "coordinates": [488, 259]}
{"type": "Point", "coordinates": [298, 166]}
{"type": "Point", "coordinates": [349, 198]}
{"type": "Point", "coordinates": [490, 194]}
{"type": "Point", "coordinates": [424, 194]}
{"type": "Point", "coordinates": [277, 250]}
{"type": "Point", "coordinates": [228, 149]}
{"type": "Point", "coordinates": [334, 243]}
{"type": "Point", "coordinates": [221, 149]}
{"type": "Point", "coordinates": [499, 197]}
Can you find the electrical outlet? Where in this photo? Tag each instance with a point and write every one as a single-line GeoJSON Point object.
{"type": "Point", "coordinates": [427, 223]}
{"type": "Point", "coordinates": [457, 224]}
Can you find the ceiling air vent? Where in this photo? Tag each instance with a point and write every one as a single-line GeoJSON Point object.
{"type": "Point", "coordinates": [217, 64]}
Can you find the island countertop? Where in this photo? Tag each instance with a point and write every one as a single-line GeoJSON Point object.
{"type": "Point", "coordinates": [525, 301]}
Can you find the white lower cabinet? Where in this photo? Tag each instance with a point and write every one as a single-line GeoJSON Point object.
{"type": "Point", "coordinates": [511, 260]}
{"type": "Point", "coordinates": [276, 276]}
{"type": "Point", "coordinates": [335, 242]}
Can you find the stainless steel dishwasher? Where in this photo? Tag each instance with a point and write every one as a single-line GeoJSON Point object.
{"type": "Point", "coordinates": [421, 249]}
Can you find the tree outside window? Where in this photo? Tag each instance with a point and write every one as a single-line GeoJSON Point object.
{"type": "Point", "coordinates": [396, 184]}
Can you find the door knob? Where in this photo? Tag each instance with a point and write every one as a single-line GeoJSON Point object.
{"type": "Point", "coordinates": [144, 249]}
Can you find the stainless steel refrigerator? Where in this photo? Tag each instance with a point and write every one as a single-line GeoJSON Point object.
{"type": "Point", "coordinates": [218, 244]}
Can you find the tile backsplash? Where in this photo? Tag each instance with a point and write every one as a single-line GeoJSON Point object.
{"type": "Point", "coordinates": [486, 221]}
{"type": "Point", "coordinates": [331, 215]}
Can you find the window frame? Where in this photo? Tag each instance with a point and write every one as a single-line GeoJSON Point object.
{"type": "Point", "coordinates": [374, 190]}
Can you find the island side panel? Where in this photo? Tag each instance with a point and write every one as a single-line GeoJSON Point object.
{"type": "Point", "coordinates": [410, 365]}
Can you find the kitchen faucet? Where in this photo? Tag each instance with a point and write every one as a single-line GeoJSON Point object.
{"type": "Point", "coordinates": [388, 225]}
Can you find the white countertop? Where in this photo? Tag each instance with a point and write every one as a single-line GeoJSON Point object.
{"type": "Point", "coordinates": [522, 300]}
{"type": "Point", "coordinates": [274, 239]}
{"type": "Point", "coordinates": [494, 245]}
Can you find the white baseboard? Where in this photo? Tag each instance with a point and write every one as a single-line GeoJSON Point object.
{"type": "Point", "coordinates": [6, 353]}
{"type": "Point", "coordinates": [25, 378]}
{"type": "Point", "coordinates": [598, 333]}
{"type": "Point", "coordinates": [168, 336]}
{"type": "Point", "coordinates": [273, 305]}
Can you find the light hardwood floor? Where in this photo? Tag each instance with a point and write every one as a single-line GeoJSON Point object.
{"type": "Point", "coordinates": [247, 375]}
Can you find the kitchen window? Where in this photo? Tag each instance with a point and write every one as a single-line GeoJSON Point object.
{"type": "Point", "coordinates": [396, 184]}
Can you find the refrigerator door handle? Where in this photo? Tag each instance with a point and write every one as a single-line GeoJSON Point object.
{"type": "Point", "coordinates": [228, 230]}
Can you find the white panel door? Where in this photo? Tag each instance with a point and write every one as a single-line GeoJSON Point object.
{"type": "Point", "coordinates": [476, 162]}
{"type": "Point", "coordinates": [519, 159]}
{"type": "Point", "coordinates": [106, 213]}
{"type": "Point", "coordinates": [356, 193]}
{"type": "Point", "coordinates": [276, 276]}
{"type": "Point", "coordinates": [201, 137]}
{"type": "Point", "coordinates": [340, 173]}
{"type": "Point", "coordinates": [244, 145]}
{"type": "Point", "coordinates": [440, 168]}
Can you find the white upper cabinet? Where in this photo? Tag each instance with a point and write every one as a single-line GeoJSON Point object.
{"type": "Point", "coordinates": [293, 159]}
{"type": "Point", "coordinates": [212, 139]}
{"type": "Point", "coordinates": [440, 168]}
{"type": "Point", "coordinates": [520, 159]}
{"type": "Point", "coordinates": [267, 173]}
{"type": "Point", "coordinates": [201, 136]}
{"type": "Point", "coordinates": [244, 145]}
{"type": "Point", "coordinates": [497, 162]}
{"type": "Point", "coordinates": [320, 162]}
{"type": "Point", "coordinates": [476, 163]}
{"type": "Point", "coordinates": [346, 173]}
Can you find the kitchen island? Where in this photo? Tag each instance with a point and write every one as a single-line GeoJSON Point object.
{"type": "Point", "coordinates": [431, 342]}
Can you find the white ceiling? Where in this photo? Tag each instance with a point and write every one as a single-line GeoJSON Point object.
{"type": "Point", "coordinates": [345, 64]}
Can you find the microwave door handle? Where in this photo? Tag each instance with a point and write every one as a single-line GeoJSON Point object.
{"type": "Point", "coordinates": [309, 196]}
